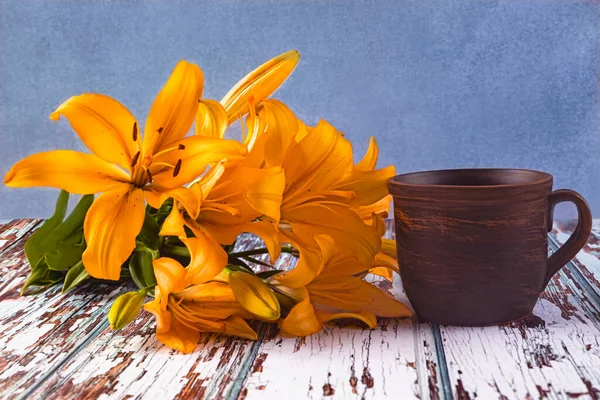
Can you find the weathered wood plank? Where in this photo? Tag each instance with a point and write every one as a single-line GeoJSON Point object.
{"type": "Point", "coordinates": [555, 353]}
{"type": "Point", "coordinates": [38, 332]}
{"type": "Point", "coordinates": [586, 266]}
{"type": "Point", "coordinates": [132, 364]}
{"type": "Point", "coordinates": [397, 359]}
{"type": "Point", "coordinates": [71, 350]}
{"type": "Point", "coordinates": [11, 232]}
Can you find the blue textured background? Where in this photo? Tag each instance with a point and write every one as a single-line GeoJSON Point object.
{"type": "Point", "coordinates": [441, 84]}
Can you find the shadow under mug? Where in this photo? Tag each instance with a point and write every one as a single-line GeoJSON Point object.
{"type": "Point", "coordinates": [473, 243]}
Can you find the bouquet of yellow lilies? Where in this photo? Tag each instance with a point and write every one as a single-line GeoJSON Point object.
{"type": "Point", "coordinates": [172, 207]}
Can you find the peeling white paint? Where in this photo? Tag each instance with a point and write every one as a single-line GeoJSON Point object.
{"type": "Point", "coordinates": [23, 341]}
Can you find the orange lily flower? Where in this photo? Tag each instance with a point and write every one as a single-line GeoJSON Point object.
{"type": "Point", "coordinates": [184, 310]}
{"type": "Point", "coordinates": [228, 200]}
{"type": "Point", "coordinates": [125, 166]}
{"type": "Point", "coordinates": [323, 187]}
{"type": "Point", "coordinates": [335, 292]}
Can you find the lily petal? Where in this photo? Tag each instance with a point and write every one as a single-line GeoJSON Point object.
{"type": "Point", "coordinates": [244, 194]}
{"type": "Point", "coordinates": [158, 308]}
{"type": "Point", "coordinates": [369, 161]}
{"type": "Point", "coordinates": [190, 157]}
{"type": "Point", "coordinates": [174, 223]}
{"type": "Point", "coordinates": [204, 186]}
{"type": "Point", "coordinates": [350, 294]}
{"type": "Point", "coordinates": [111, 225]}
{"type": "Point", "coordinates": [310, 264]}
{"type": "Point", "coordinates": [385, 261]}
{"type": "Point", "coordinates": [75, 172]}
{"type": "Point", "coordinates": [236, 326]}
{"type": "Point", "coordinates": [259, 84]}
{"type": "Point", "coordinates": [381, 206]}
{"type": "Point", "coordinates": [319, 161]}
{"type": "Point", "coordinates": [174, 109]}
{"type": "Point", "coordinates": [211, 119]}
{"type": "Point", "coordinates": [186, 197]}
{"type": "Point", "coordinates": [365, 316]}
{"type": "Point", "coordinates": [207, 256]}
{"type": "Point", "coordinates": [351, 234]}
{"type": "Point", "coordinates": [388, 247]}
{"type": "Point", "coordinates": [271, 134]}
{"type": "Point", "coordinates": [369, 186]}
{"type": "Point", "coordinates": [106, 127]}
{"type": "Point", "coordinates": [170, 275]}
{"type": "Point", "coordinates": [266, 195]}
{"type": "Point", "coordinates": [301, 321]}
{"type": "Point", "coordinates": [211, 292]}
{"type": "Point", "coordinates": [179, 337]}
{"type": "Point", "coordinates": [383, 272]}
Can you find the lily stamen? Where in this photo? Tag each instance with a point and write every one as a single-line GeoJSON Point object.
{"type": "Point", "coordinates": [178, 147]}
{"type": "Point", "coordinates": [177, 168]}
{"type": "Point", "coordinates": [135, 159]}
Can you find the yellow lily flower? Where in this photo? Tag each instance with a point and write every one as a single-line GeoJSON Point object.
{"type": "Point", "coordinates": [184, 310]}
{"type": "Point", "coordinates": [126, 166]}
{"type": "Point", "coordinates": [229, 199]}
{"type": "Point", "coordinates": [324, 191]}
{"type": "Point", "coordinates": [321, 190]}
{"type": "Point", "coordinates": [334, 292]}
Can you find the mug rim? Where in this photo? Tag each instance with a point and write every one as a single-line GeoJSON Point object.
{"type": "Point", "coordinates": [542, 178]}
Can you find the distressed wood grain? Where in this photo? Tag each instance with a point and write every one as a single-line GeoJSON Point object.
{"type": "Point", "coordinates": [585, 268]}
{"type": "Point", "coordinates": [396, 360]}
{"type": "Point", "coordinates": [12, 268]}
{"type": "Point", "coordinates": [38, 333]}
{"type": "Point", "coordinates": [60, 347]}
{"type": "Point", "coordinates": [12, 231]}
{"type": "Point", "coordinates": [132, 364]}
{"type": "Point", "coordinates": [554, 353]}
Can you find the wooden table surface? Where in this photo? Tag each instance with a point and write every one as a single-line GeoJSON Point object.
{"type": "Point", "coordinates": [59, 347]}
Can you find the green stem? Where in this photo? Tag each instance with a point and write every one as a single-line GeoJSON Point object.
{"type": "Point", "coordinates": [262, 250]}
{"type": "Point", "coordinates": [176, 250]}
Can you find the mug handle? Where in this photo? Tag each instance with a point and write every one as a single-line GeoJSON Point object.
{"type": "Point", "coordinates": [579, 237]}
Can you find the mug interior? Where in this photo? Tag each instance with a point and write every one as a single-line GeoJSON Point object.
{"type": "Point", "coordinates": [473, 177]}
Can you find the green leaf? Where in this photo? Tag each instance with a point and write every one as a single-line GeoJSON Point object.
{"type": "Point", "coordinates": [149, 233]}
{"type": "Point", "coordinates": [71, 224]}
{"type": "Point", "coordinates": [140, 266]}
{"type": "Point", "coordinates": [232, 260]}
{"type": "Point", "coordinates": [125, 309]}
{"type": "Point", "coordinates": [60, 242]}
{"type": "Point", "coordinates": [257, 261]}
{"type": "Point", "coordinates": [268, 274]}
{"type": "Point", "coordinates": [66, 253]}
{"type": "Point", "coordinates": [41, 278]}
{"type": "Point", "coordinates": [74, 277]}
{"type": "Point", "coordinates": [33, 247]}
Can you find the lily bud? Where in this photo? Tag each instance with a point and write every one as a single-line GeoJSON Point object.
{"type": "Point", "coordinates": [259, 84]}
{"type": "Point", "coordinates": [254, 295]}
{"type": "Point", "coordinates": [125, 309]}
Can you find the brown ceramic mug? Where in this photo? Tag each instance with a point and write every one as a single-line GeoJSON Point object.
{"type": "Point", "coordinates": [473, 243]}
